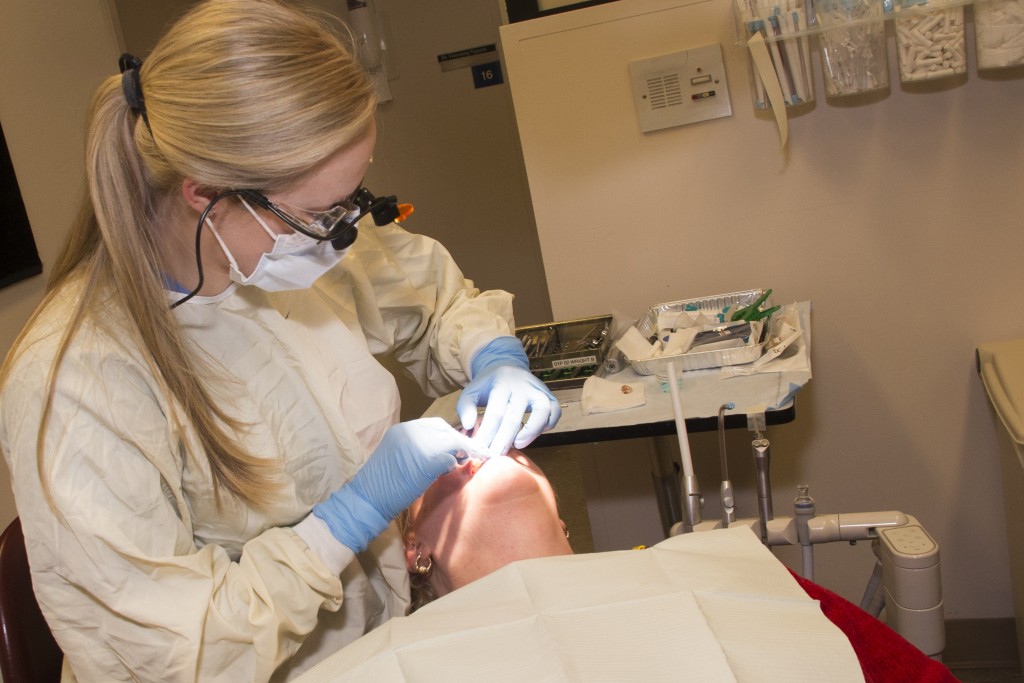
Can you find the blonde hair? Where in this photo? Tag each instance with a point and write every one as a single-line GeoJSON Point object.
{"type": "Point", "coordinates": [239, 94]}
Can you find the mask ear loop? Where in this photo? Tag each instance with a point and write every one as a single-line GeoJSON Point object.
{"type": "Point", "coordinates": [199, 254]}
{"type": "Point", "coordinates": [223, 247]}
{"type": "Point", "coordinates": [259, 219]}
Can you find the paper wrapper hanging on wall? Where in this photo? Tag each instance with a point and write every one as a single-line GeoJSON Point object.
{"type": "Point", "coordinates": [773, 89]}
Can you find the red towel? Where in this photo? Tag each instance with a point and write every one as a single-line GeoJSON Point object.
{"type": "Point", "coordinates": [885, 656]}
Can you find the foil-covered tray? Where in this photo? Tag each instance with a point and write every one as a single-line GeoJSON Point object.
{"type": "Point", "coordinates": [717, 308]}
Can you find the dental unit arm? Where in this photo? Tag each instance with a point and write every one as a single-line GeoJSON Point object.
{"type": "Point", "coordinates": [693, 501]}
{"type": "Point", "coordinates": [905, 579]}
{"type": "Point", "coordinates": [726, 494]}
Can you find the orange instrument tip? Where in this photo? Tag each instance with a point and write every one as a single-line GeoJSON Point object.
{"type": "Point", "coordinates": [404, 210]}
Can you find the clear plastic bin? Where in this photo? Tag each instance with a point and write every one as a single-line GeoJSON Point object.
{"type": "Point", "coordinates": [784, 27]}
{"type": "Point", "coordinates": [930, 45]}
{"type": "Point", "coordinates": [999, 33]}
{"type": "Point", "coordinates": [854, 55]}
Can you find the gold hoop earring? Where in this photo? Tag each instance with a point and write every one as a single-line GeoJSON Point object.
{"type": "Point", "coordinates": [422, 569]}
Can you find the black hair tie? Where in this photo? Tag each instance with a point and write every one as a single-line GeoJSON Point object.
{"type": "Point", "coordinates": [132, 86]}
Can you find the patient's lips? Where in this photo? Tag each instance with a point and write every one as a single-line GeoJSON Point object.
{"type": "Point", "coordinates": [473, 465]}
{"type": "Point", "coordinates": [467, 468]}
{"type": "Point", "coordinates": [500, 469]}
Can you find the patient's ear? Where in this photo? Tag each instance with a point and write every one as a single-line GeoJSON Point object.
{"type": "Point", "coordinates": [414, 550]}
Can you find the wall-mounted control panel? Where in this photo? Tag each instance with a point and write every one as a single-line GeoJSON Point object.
{"type": "Point", "coordinates": [680, 88]}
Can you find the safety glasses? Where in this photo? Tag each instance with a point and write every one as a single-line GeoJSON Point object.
{"type": "Point", "coordinates": [337, 224]}
{"type": "Point", "coordinates": [333, 224]}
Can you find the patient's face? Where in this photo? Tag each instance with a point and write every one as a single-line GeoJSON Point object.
{"type": "Point", "coordinates": [482, 516]}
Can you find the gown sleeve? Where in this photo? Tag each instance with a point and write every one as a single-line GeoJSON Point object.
{"type": "Point", "coordinates": [126, 590]}
{"type": "Point", "coordinates": [410, 299]}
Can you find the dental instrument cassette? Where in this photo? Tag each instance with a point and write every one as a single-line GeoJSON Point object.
{"type": "Point", "coordinates": [564, 354]}
{"type": "Point", "coordinates": [722, 341]}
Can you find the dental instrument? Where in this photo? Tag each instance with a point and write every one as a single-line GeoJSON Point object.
{"type": "Point", "coordinates": [728, 501]}
{"type": "Point", "coordinates": [853, 47]}
{"type": "Point", "coordinates": [692, 499]}
{"type": "Point", "coordinates": [762, 462]}
{"type": "Point", "coordinates": [803, 511]}
{"type": "Point", "coordinates": [780, 27]}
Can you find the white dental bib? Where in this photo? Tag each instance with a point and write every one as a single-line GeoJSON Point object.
{"type": "Point", "coordinates": [709, 606]}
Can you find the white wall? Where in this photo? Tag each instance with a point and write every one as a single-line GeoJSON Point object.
{"type": "Point", "coordinates": [52, 56]}
{"type": "Point", "coordinates": [899, 217]}
{"type": "Point", "coordinates": [452, 151]}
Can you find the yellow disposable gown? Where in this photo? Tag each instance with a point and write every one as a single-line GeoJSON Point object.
{"type": "Point", "coordinates": [142, 575]}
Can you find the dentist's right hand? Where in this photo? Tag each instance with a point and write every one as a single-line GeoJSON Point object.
{"type": "Point", "coordinates": [408, 460]}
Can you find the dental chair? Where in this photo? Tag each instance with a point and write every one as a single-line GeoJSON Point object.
{"type": "Point", "coordinates": [28, 652]}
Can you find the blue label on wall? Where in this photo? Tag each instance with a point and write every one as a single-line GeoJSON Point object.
{"type": "Point", "coordinates": [487, 74]}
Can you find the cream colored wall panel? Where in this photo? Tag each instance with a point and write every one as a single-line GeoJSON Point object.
{"type": "Point", "coordinates": [898, 216]}
{"type": "Point", "coordinates": [52, 56]}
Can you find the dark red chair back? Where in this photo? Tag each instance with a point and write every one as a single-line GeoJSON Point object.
{"type": "Point", "coordinates": [28, 652]}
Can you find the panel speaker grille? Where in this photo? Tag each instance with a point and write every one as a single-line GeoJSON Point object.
{"type": "Point", "coordinates": [664, 91]}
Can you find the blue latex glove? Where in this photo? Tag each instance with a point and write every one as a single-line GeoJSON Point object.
{"type": "Point", "coordinates": [408, 460]}
{"type": "Point", "coordinates": [503, 382]}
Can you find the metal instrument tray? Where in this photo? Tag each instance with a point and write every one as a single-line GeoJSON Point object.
{"type": "Point", "coordinates": [563, 354]}
{"type": "Point", "coordinates": [711, 306]}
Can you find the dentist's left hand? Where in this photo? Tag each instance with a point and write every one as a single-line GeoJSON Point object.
{"type": "Point", "coordinates": [408, 460]}
{"type": "Point", "coordinates": [502, 381]}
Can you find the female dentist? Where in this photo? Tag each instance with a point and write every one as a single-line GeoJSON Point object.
{"type": "Point", "coordinates": [205, 454]}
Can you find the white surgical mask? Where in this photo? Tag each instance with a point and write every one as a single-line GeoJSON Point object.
{"type": "Point", "coordinates": [295, 262]}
